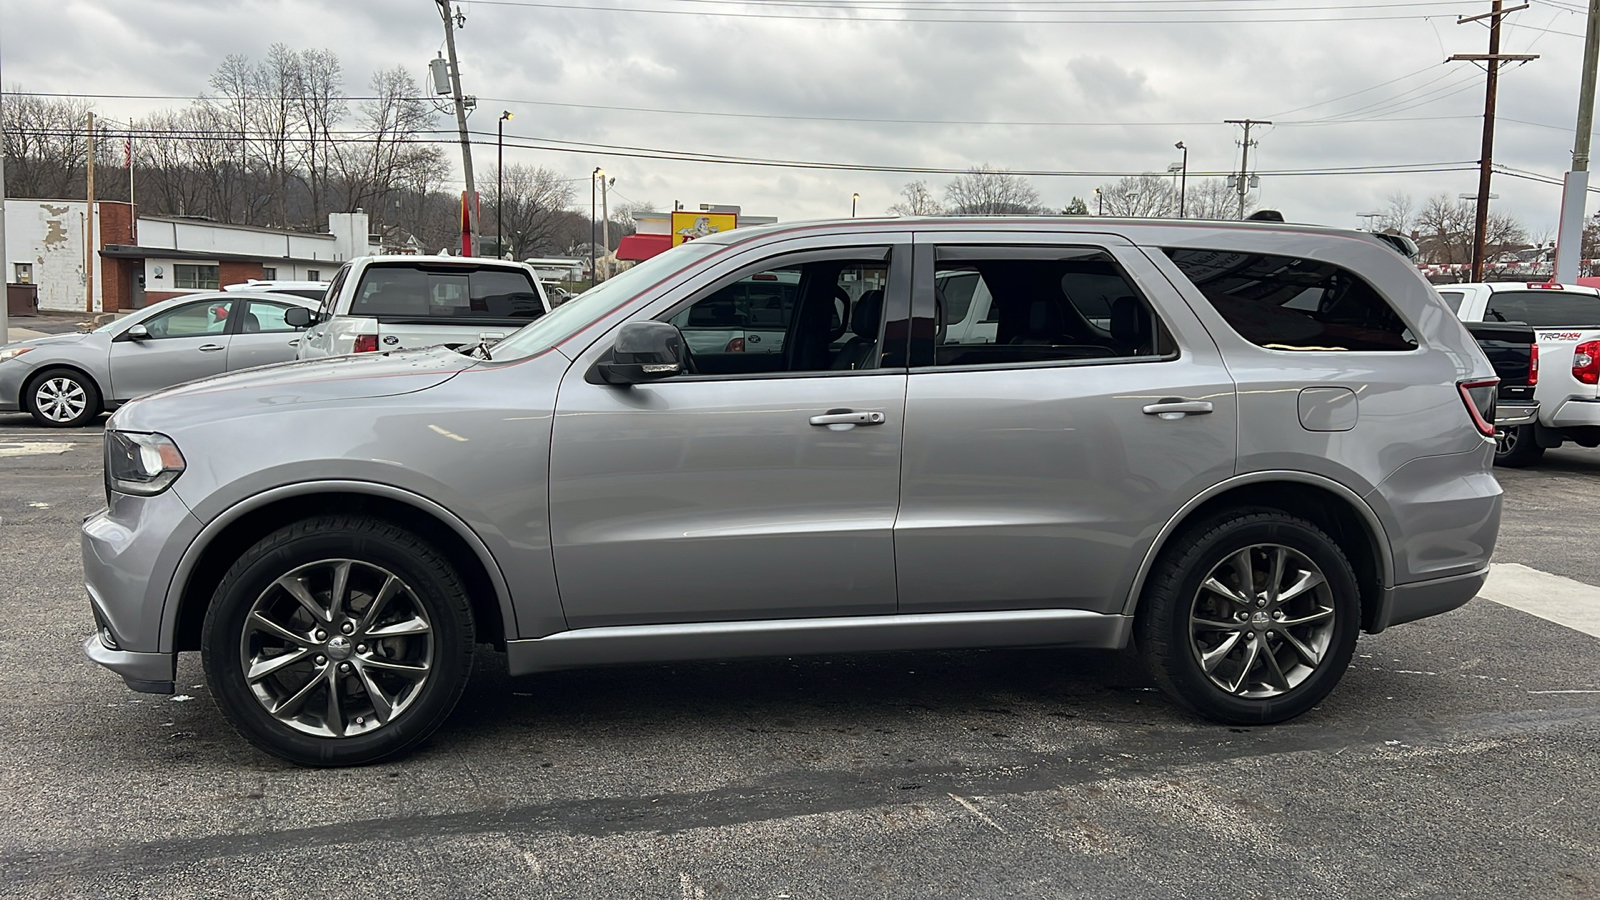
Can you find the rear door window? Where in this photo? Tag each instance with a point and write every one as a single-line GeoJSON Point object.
{"type": "Point", "coordinates": [1292, 303]}
{"type": "Point", "coordinates": [1543, 309]}
{"type": "Point", "coordinates": [404, 292]}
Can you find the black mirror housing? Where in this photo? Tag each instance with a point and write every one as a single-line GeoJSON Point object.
{"type": "Point", "coordinates": [644, 351]}
{"type": "Point", "coordinates": [298, 317]}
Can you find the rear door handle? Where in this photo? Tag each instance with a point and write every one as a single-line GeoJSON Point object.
{"type": "Point", "coordinates": [848, 417]}
{"type": "Point", "coordinates": [208, 348]}
{"type": "Point", "coordinates": [1177, 408]}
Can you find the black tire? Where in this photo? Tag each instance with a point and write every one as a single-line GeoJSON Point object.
{"type": "Point", "coordinates": [1516, 447]}
{"type": "Point", "coordinates": [429, 590]}
{"type": "Point", "coordinates": [1173, 646]}
{"type": "Point", "coordinates": [47, 391]}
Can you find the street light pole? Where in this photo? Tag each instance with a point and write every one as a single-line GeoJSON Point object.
{"type": "Point", "coordinates": [605, 221]}
{"type": "Point", "coordinates": [1099, 203]}
{"type": "Point", "coordinates": [853, 199]}
{"type": "Point", "coordinates": [500, 182]}
{"type": "Point", "coordinates": [1183, 179]}
{"type": "Point", "coordinates": [593, 210]}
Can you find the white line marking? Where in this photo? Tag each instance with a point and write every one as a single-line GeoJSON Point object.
{"type": "Point", "coordinates": [1551, 597]}
{"type": "Point", "coordinates": [979, 813]}
{"type": "Point", "coordinates": [1564, 692]}
{"type": "Point", "coordinates": [32, 448]}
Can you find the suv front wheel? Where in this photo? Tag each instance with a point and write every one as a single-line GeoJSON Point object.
{"type": "Point", "coordinates": [1250, 617]}
{"type": "Point", "coordinates": [338, 640]}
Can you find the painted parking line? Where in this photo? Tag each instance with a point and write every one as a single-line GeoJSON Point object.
{"type": "Point", "coordinates": [33, 448]}
{"type": "Point", "coordinates": [1551, 597]}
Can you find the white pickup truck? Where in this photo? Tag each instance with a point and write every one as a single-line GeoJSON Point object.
{"type": "Point", "coordinates": [1566, 373]}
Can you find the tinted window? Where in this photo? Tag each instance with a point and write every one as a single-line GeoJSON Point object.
{"type": "Point", "coordinates": [332, 294]}
{"type": "Point", "coordinates": [1543, 308]}
{"type": "Point", "coordinates": [405, 292]}
{"type": "Point", "coordinates": [1074, 303]}
{"type": "Point", "coordinates": [814, 316]}
{"type": "Point", "coordinates": [1287, 303]}
{"type": "Point", "coordinates": [956, 288]}
{"type": "Point", "coordinates": [210, 317]}
{"type": "Point", "coordinates": [265, 317]}
{"type": "Point", "coordinates": [1452, 299]}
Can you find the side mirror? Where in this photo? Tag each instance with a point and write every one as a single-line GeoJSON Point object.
{"type": "Point", "coordinates": [298, 317]}
{"type": "Point", "coordinates": [644, 351]}
{"type": "Point", "coordinates": [137, 333]}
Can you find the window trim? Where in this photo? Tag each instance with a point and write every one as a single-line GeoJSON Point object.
{"type": "Point", "coordinates": [937, 251]}
{"type": "Point", "coordinates": [868, 251]}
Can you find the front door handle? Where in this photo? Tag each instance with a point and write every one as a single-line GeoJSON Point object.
{"type": "Point", "coordinates": [1177, 408]}
{"type": "Point", "coordinates": [209, 348]}
{"type": "Point", "coordinates": [849, 417]}
{"type": "Point", "coordinates": [295, 342]}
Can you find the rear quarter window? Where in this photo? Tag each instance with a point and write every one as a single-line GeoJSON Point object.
{"type": "Point", "coordinates": [1291, 303]}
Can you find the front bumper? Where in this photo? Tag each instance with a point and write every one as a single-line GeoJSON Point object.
{"type": "Point", "coordinates": [1512, 413]}
{"type": "Point", "coordinates": [13, 374]}
{"type": "Point", "coordinates": [130, 551]}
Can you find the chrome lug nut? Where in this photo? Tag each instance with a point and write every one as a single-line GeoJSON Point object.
{"type": "Point", "coordinates": [361, 648]}
{"type": "Point", "coordinates": [1272, 634]}
{"type": "Point", "coordinates": [347, 627]}
{"type": "Point", "coordinates": [361, 720]}
{"type": "Point", "coordinates": [322, 660]}
{"type": "Point", "coordinates": [321, 635]}
{"type": "Point", "coordinates": [344, 667]}
{"type": "Point", "coordinates": [1261, 602]}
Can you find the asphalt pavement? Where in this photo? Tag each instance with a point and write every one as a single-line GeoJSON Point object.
{"type": "Point", "coordinates": [1457, 759]}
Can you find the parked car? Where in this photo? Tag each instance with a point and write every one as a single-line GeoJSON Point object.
{"type": "Point", "coordinates": [1514, 353]}
{"type": "Point", "coordinates": [1274, 438]}
{"type": "Point", "coordinates": [399, 302]}
{"type": "Point", "coordinates": [1566, 323]}
{"type": "Point", "coordinates": [66, 380]}
{"type": "Point", "coordinates": [311, 290]}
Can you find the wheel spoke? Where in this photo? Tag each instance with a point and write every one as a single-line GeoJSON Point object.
{"type": "Point", "coordinates": [1280, 556]}
{"type": "Point", "coordinates": [1307, 580]}
{"type": "Point", "coordinates": [1317, 616]}
{"type": "Point", "coordinates": [293, 702]}
{"type": "Point", "coordinates": [1217, 587]}
{"type": "Point", "coordinates": [341, 581]}
{"type": "Point", "coordinates": [261, 668]}
{"type": "Point", "coordinates": [404, 670]}
{"type": "Point", "coordinates": [413, 625]}
{"type": "Point", "coordinates": [1251, 651]}
{"type": "Point", "coordinates": [391, 586]}
{"type": "Point", "coordinates": [1274, 671]}
{"type": "Point", "coordinates": [1312, 658]}
{"type": "Point", "coordinates": [382, 705]}
{"type": "Point", "coordinates": [261, 623]}
{"type": "Point", "coordinates": [1245, 568]}
{"type": "Point", "coordinates": [335, 716]}
{"type": "Point", "coordinates": [297, 589]}
{"type": "Point", "coordinates": [1212, 658]}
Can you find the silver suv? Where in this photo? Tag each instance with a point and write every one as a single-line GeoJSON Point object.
{"type": "Point", "coordinates": [1239, 444]}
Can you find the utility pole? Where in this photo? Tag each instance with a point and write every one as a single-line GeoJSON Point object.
{"type": "Point", "coordinates": [605, 223]}
{"type": "Point", "coordinates": [1575, 188]}
{"type": "Point", "coordinates": [5, 258]}
{"type": "Point", "coordinates": [593, 273]}
{"type": "Point", "coordinates": [88, 229]}
{"type": "Point", "coordinates": [1244, 160]}
{"type": "Point", "coordinates": [461, 120]}
{"type": "Point", "coordinates": [1491, 61]}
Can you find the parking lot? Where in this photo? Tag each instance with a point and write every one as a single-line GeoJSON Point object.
{"type": "Point", "coordinates": [1456, 759]}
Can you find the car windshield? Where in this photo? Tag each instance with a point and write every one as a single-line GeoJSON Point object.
{"type": "Point", "coordinates": [574, 315]}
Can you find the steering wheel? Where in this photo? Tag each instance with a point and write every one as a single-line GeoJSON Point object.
{"type": "Point", "coordinates": [842, 298]}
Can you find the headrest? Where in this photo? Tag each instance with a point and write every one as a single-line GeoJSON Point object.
{"type": "Point", "coordinates": [1128, 320]}
{"type": "Point", "coordinates": [868, 315]}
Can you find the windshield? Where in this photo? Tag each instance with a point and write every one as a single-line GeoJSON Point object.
{"type": "Point", "coordinates": [572, 316]}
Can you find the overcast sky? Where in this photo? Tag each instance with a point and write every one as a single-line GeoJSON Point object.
{"type": "Point", "coordinates": [1114, 96]}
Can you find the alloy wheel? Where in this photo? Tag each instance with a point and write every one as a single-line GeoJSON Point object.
{"type": "Point", "coordinates": [1262, 621]}
{"type": "Point", "coordinates": [60, 399]}
{"type": "Point", "coordinates": [337, 648]}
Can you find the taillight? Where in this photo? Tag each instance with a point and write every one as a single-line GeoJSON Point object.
{"type": "Point", "coordinates": [1479, 397]}
{"type": "Point", "coordinates": [1586, 362]}
{"type": "Point", "coordinates": [366, 343]}
{"type": "Point", "coordinates": [1533, 367]}
{"type": "Point", "coordinates": [734, 346]}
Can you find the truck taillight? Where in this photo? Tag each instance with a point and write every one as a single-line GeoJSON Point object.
{"type": "Point", "coordinates": [366, 343]}
{"type": "Point", "coordinates": [1533, 367]}
{"type": "Point", "coordinates": [1479, 397]}
{"type": "Point", "coordinates": [1586, 362]}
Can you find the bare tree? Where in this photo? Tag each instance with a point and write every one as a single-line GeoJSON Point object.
{"type": "Point", "coordinates": [320, 105]}
{"type": "Point", "coordinates": [918, 201]}
{"type": "Point", "coordinates": [1212, 198]}
{"type": "Point", "coordinates": [1399, 215]}
{"type": "Point", "coordinates": [1142, 196]}
{"type": "Point", "coordinates": [389, 157]}
{"type": "Point", "coordinates": [1445, 232]}
{"type": "Point", "coordinates": [45, 145]}
{"type": "Point", "coordinates": [533, 202]}
{"type": "Point", "coordinates": [987, 191]}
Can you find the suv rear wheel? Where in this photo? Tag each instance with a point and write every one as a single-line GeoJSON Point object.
{"type": "Point", "coordinates": [1250, 617]}
{"type": "Point", "coordinates": [338, 640]}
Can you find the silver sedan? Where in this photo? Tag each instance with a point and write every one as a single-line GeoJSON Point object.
{"type": "Point", "coordinates": [66, 380]}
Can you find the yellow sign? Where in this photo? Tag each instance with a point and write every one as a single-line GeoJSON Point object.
{"type": "Point", "coordinates": [686, 226]}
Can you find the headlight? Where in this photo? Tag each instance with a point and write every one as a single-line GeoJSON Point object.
{"type": "Point", "coordinates": [141, 464]}
{"type": "Point", "coordinates": [13, 353]}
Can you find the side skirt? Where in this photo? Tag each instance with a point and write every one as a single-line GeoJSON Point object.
{"type": "Point", "coordinates": [631, 644]}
